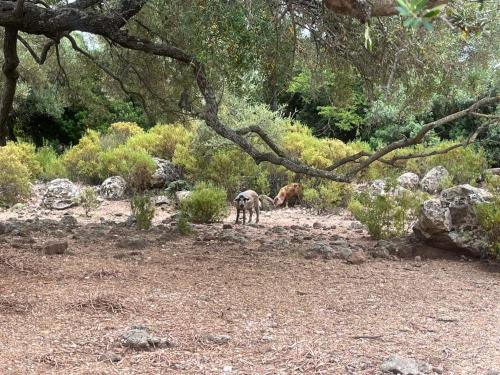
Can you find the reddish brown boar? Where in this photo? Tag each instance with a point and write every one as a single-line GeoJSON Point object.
{"type": "Point", "coordinates": [289, 195]}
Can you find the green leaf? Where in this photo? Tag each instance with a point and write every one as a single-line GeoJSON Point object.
{"type": "Point", "coordinates": [403, 11]}
{"type": "Point", "coordinates": [427, 25]}
{"type": "Point", "coordinates": [434, 12]}
{"type": "Point", "coordinates": [420, 4]}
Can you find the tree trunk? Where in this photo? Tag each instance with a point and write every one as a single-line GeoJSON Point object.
{"type": "Point", "coordinates": [9, 68]}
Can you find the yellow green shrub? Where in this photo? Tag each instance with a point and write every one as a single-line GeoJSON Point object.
{"type": "Point", "coordinates": [324, 196]}
{"type": "Point", "coordinates": [162, 139]}
{"type": "Point", "coordinates": [14, 178]}
{"type": "Point", "coordinates": [135, 165]}
{"type": "Point", "coordinates": [82, 160]}
{"type": "Point", "coordinates": [231, 169]}
{"type": "Point", "coordinates": [118, 133]}
{"type": "Point", "coordinates": [299, 142]}
{"type": "Point", "coordinates": [26, 154]}
{"type": "Point", "coordinates": [488, 215]}
{"type": "Point", "coordinates": [52, 166]}
{"type": "Point", "coordinates": [206, 204]}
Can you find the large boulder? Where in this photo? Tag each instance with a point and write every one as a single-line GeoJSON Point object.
{"type": "Point", "coordinates": [164, 174]}
{"type": "Point", "coordinates": [266, 203]}
{"type": "Point", "coordinates": [113, 188]}
{"type": "Point", "coordinates": [60, 194]}
{"type": "Point", "coordinates": [409, 180]}
{"type": "Point", "coordinates": [434, 179]}
{"type": "Point", "coordinates": [449, 222]}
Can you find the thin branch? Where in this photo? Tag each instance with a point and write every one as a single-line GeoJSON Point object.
{"type": "Point", "coordinates": [61, 67]}
{"type": "Point", "coordinates": [106, 70]}
{"type": "Point", "coordinates": [265, 137]}
{"type": "Point", "coordinates": [43, 56]}
{"type": "Point", "coordinates": [422, 133]}
{"type": "Point", "coordinates": [485, 115]}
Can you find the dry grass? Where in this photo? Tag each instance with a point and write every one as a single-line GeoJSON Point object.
{"type": "Point", "coordinates": [284, 314]}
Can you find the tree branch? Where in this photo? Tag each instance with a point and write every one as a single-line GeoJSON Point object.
{"type": "Point", "coordinates": [265, 137]}
{"type": "Point", "coordinates": [43, 56]}
{"type": "Point", "coordinates": [422, 133]}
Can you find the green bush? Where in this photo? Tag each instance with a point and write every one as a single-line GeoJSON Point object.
{"type": "Point", "coordinates": [14, 178]}
{"type": "Point", "coordinates": [135, 165]}
{"type": "Point", "coordinates": [52, 166]}
{"type": "Point", "coordinates": [206, 204]}
{"type": "Point", "coordinates": [488, 215]}
{"type": "Point", "coordinates": [88, 200]}
{"type": "Point", "coordinates": [389, 215]}
{"type": "Point", "coordinates": [324, 196]}
{"type": "Point", "coordinates": [465, 164]}
{"type": "Point", "coordinates": [183, 224]}
{"type": "Point", "coordinates": [26, 154]}
{"type": "Point", "coordinates": [162, 139]}
{"type": "Point", "coordinates": [118, 133]}
{"type": "Point", "coordinates": [82, 160]}
{"type": "Point", "coordinates": [178, 185]}
{"type": "Point", "coordinates": [143, 209]}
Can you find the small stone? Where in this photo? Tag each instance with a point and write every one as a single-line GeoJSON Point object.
{"type": "Point", "coordinates": [139, 338]}
{"type": "Point", "coordinates": [268, 338]}
{"type": "Point", "coordinates": [277, 229]}
{"type": "Point", "coordinates": [218, 339]}
{"type": "Point", "coordinates": [111, 357]}
{"type": "Point", "coordinates": [135, 243]}
{"type": "Point", "coordinates": [55, 247]}
{"type": "Point", "coordinates": [227, 226]}
{"type": "Point", "coordinates": [405, 366]}
{"type": "Point", "coordinates": [317, 225]}
{"type": "Point", "coordinates": [418, 258]}
{"type": "Point", "coordinates": [69, 221]}
{"type": "Point", "coordinates": [357, 257]}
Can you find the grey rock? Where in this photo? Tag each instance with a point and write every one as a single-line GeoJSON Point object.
{"type": "Point", "coordinates": [433, 180]}
{"type": "Point", "coordinates": [134, 243]}
{"type": "Point", "coordinates": [317, 225]}
{"type": "Point", "coordinates": [60, 194]}
{"type": "Point", "coordinates": [449, 222]}
{"type": "Point", "coordinates": [6, 228]}
{"type": "Point", "coordinates": [218, 339]}
{"type": "Point", "coordinates": [277, 229]}
{"type": "Point", "coordinates": [377, 187]}
{"type": "Point", "coordinates": [161, 200]}
{"type": "Point", "coordinates": [227, 226]}
{"type": "Point", "coordinates": [110, 357]}
{"type": "Point", "coordinates": [113, 188]}
{"type": "Point", "coordinates": [409, 180]}
{"type": "Point", "coordinates": [357, 257]}
{"type": "Point", "coordinates": [405, 366]}
{"type": "Point", "coordinates": [140, 338]}
{"type": "Point", "coordinates": [181, 195]}
{"type": "Point", "coordinates": [55, 247]}
{"type": "Point", "coordinates": [266, 203]}
{"type": "Point", "coordinates": [69, 221]}
{"type": "Point", "coordinates": [164, 174]}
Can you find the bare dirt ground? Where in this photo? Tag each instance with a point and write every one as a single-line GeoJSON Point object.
{"type": "Point", "coordinates": [282, 313]}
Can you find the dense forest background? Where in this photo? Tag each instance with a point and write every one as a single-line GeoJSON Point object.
{"type": "Point", "coordinates": [342, 78]}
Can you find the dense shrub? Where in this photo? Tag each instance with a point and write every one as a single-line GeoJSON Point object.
{"type": "Point", "coordinates": [143, 209]}
{"type": "Point", "coordinates": [51, 165]}
{"type": "Point", "coordinates": [465, 164]}
{"type": "Point", "coordinates": [14, 178]}
{"type": "Point", "coordinates": [118, 133]}
{"type": "Point", "coordinates": [324, 196]}
{"type": "Point", "coordinates": [82, 160]}
{"type": "Point", "coordinates": [135, 165]}
{"type": "Point", "coordinates": [488, 215]}
{"type": "Point", "coordinates": [206, 204]}
{"type": "Point", "coordinates": [162, 139]}
{"type": "Point", "coordinates": [25, 153]}
{"type": "Point", "coordinates": [388, 215]}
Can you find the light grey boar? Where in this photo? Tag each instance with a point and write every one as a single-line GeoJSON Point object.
{"type": "Point", "coordinates": [247, 201]}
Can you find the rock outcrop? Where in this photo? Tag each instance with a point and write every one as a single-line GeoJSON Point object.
{"type": "Point", "coordinates": [164, 174]}
{"type": "Point", "coordinates": [449, 222]}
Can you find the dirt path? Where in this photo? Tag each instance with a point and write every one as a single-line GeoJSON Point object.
{"type": "Point", "coordinates": [283, 313]}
